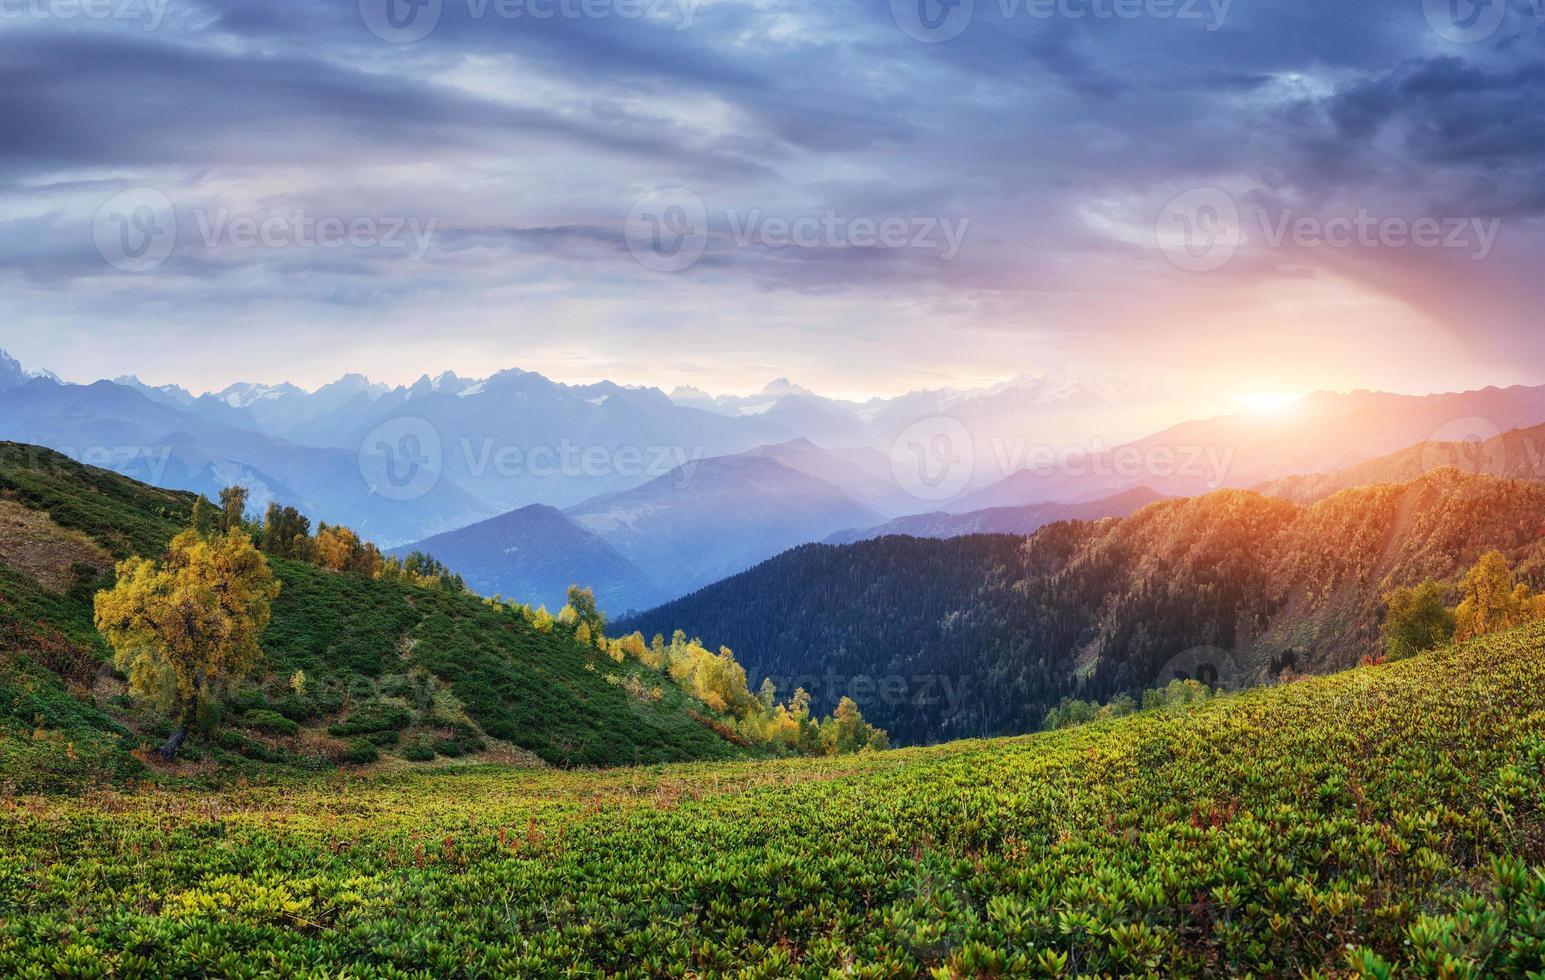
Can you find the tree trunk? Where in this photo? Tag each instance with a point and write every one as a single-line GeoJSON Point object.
{"type": "Point", "coordinates": [185, 719]}
{"type": "Point", "coordinates": [174, 743]}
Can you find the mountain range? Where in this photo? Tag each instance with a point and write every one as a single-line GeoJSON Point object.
{"type": "Point", "coordinates": [647, 496]}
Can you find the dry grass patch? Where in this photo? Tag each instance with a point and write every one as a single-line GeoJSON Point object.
{"type": "Point", "coordinates": [34, 545]}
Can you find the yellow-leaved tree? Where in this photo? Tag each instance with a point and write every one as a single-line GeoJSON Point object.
{"type": "Point", "coordinates": [1492, 599]}
{"type": "Point", "coordinates": [184, 628]}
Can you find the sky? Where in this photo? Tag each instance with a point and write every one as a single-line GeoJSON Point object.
{"type": "Point", "coordinates": [1242, 196]}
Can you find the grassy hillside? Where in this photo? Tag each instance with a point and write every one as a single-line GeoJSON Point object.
{"type": "Point", "coordinates": [390, 669]}
{"type": "Point", "coordinates": [981, 635]}
{"type": "Point", "coordinates": [1385, 819]}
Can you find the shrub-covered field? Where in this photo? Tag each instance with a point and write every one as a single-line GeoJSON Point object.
{"type": "Point", "coordinates": [1388, 821]}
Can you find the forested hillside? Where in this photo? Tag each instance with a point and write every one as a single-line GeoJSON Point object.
{"type": "Point", "coordinates": [982, 635]}
{"type": "Point", "coordinates": [355, 666]}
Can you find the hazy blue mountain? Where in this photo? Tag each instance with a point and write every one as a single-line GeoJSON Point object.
{"type": "Point", "coordinates": [863, 474]}
{"type": "Point", "coordinates": [517, 438]}
{"type": "Point", "coordinates": [111, 425]}
{"type": "Point", "coordinates": [703, 522]}
{"type": "Point", "coordinates": [1003, 520]}
{"type": "Point", "coordinates": [534, 554]}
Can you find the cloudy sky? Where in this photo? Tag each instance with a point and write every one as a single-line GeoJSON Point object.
{"type": "Point", "coordinates": [866, 196]}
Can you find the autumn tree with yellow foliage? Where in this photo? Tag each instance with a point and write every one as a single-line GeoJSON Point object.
{"type": "Point", "coordinates": [183, 628]}
{"type": "Point", "coordinates": [1492, 600]}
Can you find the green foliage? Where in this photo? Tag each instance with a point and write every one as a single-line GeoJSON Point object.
{"type": "Point", "coordinates": [1389, 821]}
{"type": "Point", "coordinates": [124, 516]}
{"type": "Point", "coordinates": [419, 750]}
{"type": "Point", "coordinates": [377, 716]}
{"type": "Point", "coordinates": [1418, 619]}
{"type": "Point", "coordinates": [359, 752]}
{"type": "Point", "coordinates": [270, 722]}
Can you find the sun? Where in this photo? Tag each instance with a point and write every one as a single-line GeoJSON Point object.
{"type": "Point", "coordinates": [1268, 403]}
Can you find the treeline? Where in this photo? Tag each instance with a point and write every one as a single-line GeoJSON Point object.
{"type": "Point", "coordinates": [1176, 694]}
{"type": "Point", "coordinates": [286, 533]}
{"type": "Point", "coordinates": [714, 678]}
{"type": "Point", "coordinates": [1490, 599]}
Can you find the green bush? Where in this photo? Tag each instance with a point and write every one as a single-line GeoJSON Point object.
{"type": "Point", "coordinates": [418, 750]}
{"type": "Point", "coordinates": [375, 716]}
{"type": "Point", "coordinates": [359, 752]}
{"type": "Point", "coordinates": [270, 722]}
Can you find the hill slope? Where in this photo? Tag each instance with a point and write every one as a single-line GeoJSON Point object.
{"type": "Point", "coordinates": [981, 635]}
{"type": "Point", "coordinates": [1003, 520]}
{"type": "Point", "coordinates": [385, 662]}
{"type": "Point", "coordinates": [535, 554]}
{"type": "Point", "coordinates": [1385, 822]}
{"type": "Point", "coordinates": [1518, 454]}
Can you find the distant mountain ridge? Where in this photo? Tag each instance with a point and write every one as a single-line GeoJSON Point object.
{"type": "Point", "coordinates": [1323, 433]}
{"type": "Point", "coordinates": [1002, 520]}
{"type": "Point", "coordinates": [1517, 454]}
{"type": "Point", "coordinates": [534, 554]}
{"type": "Point", "coordinates": [702, 522]}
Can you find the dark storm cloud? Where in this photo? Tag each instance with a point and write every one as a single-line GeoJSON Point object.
{"type": "Point", "coordinates": [529, 139]}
